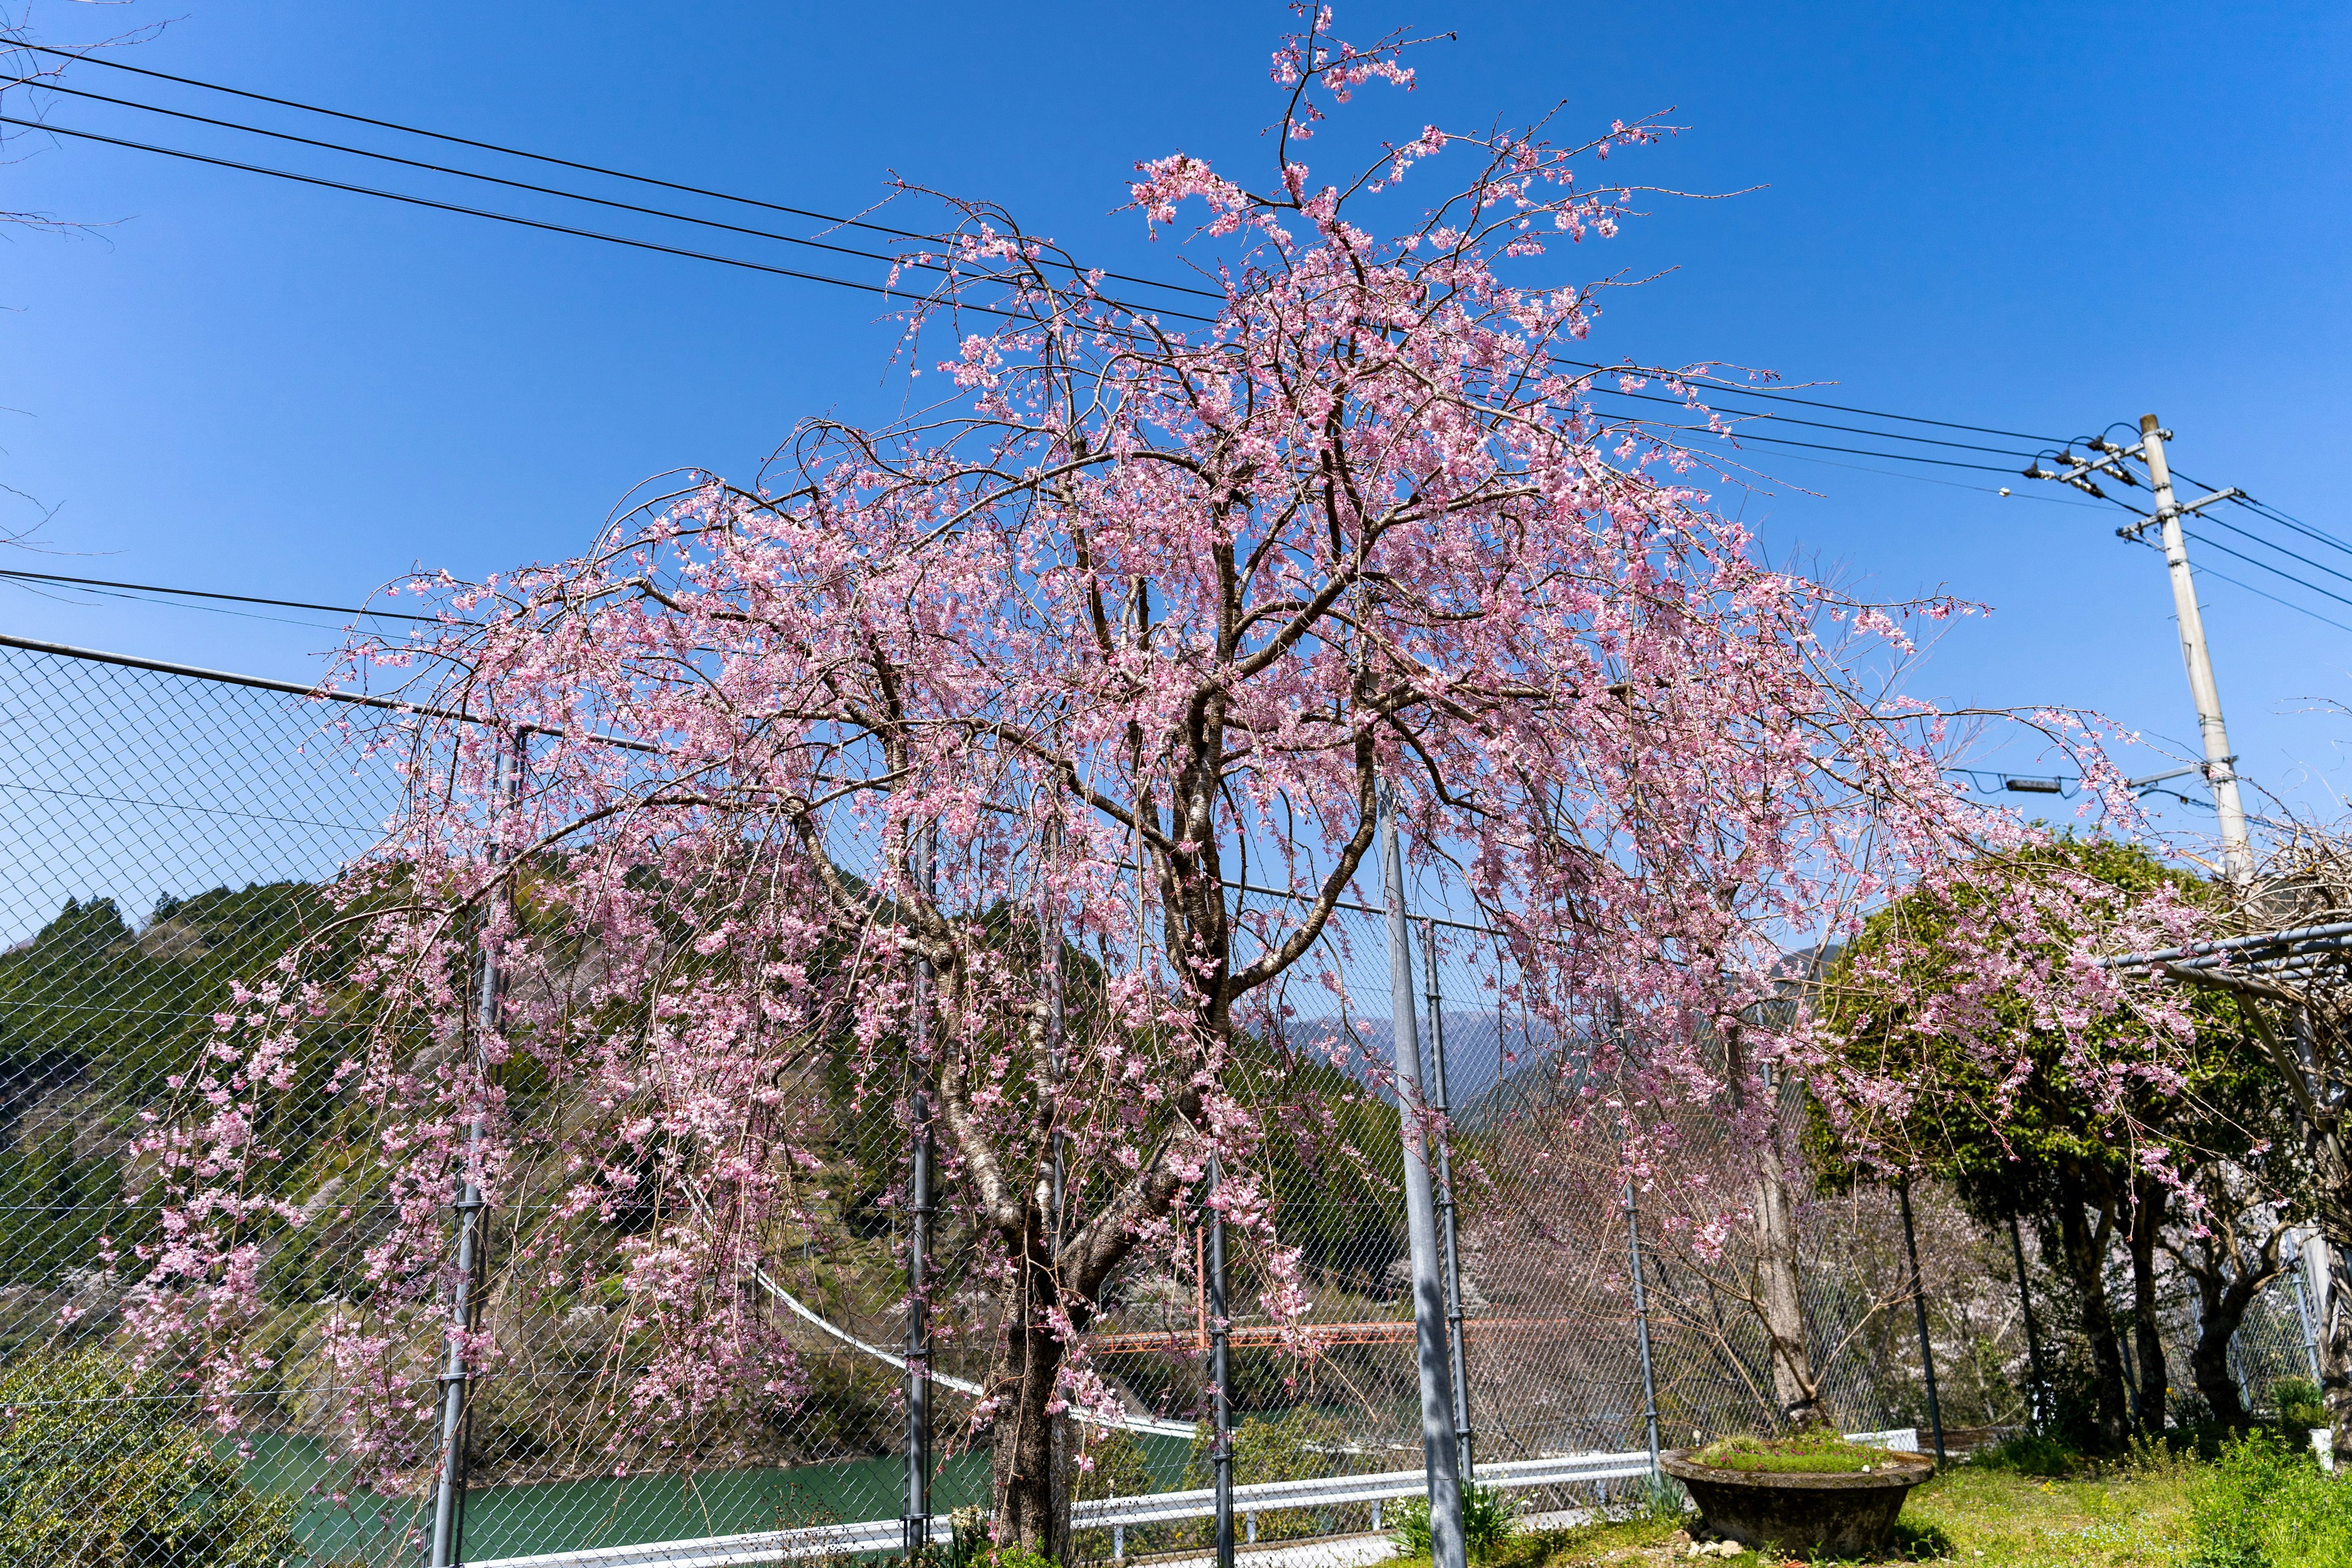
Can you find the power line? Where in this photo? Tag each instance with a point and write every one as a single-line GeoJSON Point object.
{"type": "Point", "coordinates": [1762, 394]}
{"type": "Point", "coordinates": [1715, 393]}
{"type": "Point", "coordinates": [1769, 395]}
{"type": "Point", "coordinates": [830, 218]}
{"type": "Point", "coordinates": [2272, 515]}
{"type": "Point", "coordinates": [2283, 550]}
{"type": "Point", "coordinates": [1812, 424]}
{"type": "Point", "coordinates": [838, 282]}
{"type": "Point", "coordinates": [1820, 446]}
{"type": "Point", "coordinates": [465, 173]}
{"type": "Point", "coordinates": [503, 218]}
{"type": "Point", "coordinates": [204, 594]}
{"type": "Point", "coordinates": [2273, 598]}
{"type": "Point", "coordinates": [2266, 566]}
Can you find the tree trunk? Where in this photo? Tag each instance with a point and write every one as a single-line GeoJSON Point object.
{"type": "Point", "coordinates": [1027, 1464]}
{"type": "Point", "coordinates": [2220, 1310]}
{"type": "Point", "coordinates": [2150, 1198]}
{"type": "Point", "coordinates": [2082, 1249]}
{"type": "Point", "coordinates": [1793, 1381]}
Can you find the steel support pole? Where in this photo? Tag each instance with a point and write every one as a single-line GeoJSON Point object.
{"type": "Point", "coordinates": [1449, 1232]}
{"type": "Point", "coordinates": [1642, 1326]}
{"type": "Point", "coordinates": [2221, 762]}
{"type": "Point", "coordinates": [1440, 1462]}
{"type": "Point", "coordinates": [1221, 1377]}
{"type": "Point", "coordinates": [2302, 1305]}
{"type": "Point", "coordinates": [1919, 1300]}
{"type": "Point", "coordinates": [918, 1522]}
{"type": "Point", "coordinates": [1049, 950]}
{"type": "Point", "coordinates": [465, 1295]}
{"type": "Point", "coordinates": [2041, 1412]}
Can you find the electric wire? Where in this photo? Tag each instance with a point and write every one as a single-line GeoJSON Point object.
{"type": "Point", "coordinates": [830, 218]}
{"type": "Point", "coordinates": [1821, 446]}
{"type": "Point", "coordinates": [517, 220]}
{"type": "Point", "coordinates": [2273, 598]}
{"type": "Point", "coordinates": [845, 250]}
{"type": "Point", "coordinates": [69, 596]}
{"type": "Point", "coordinates": [2283, 550]}
{"type": "Point", "coordinates": [1770, 394]}
{"type": "Point", "coordinates": [1763, 395]}
{"type": "Point", "coordinates": [1810, 424]}
{"type": "Point", "coordinates": [471, 174]}
{"type": "Point", "coordinates": [1712, 395]}
{"type": "Point", "coordinates": [2266, 566]}
{"type": "Point", "coordinates": [203, 594]}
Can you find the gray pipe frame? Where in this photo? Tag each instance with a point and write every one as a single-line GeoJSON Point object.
{"type": "Point", "coordinates": [1642, 1325]}
{"type": "Point", "coordinates": [1221, 1374]}
{"type": "Point", "coordinates": [465, 1300]}
{"type": "Point", "coordinates": [918, 1519]}
{"type": "Point", "coordinates": [1448, 1230]}
{"type": "Point", "coordinates": [1441, 1464]}
{"type": "Point", "coordinates": [1919, 1300]}
{"type": "Point", "coordinates": [2032, 1339]}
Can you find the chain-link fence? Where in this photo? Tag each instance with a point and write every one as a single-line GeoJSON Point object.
{"type": "Point", "coordinates": [168, 835]}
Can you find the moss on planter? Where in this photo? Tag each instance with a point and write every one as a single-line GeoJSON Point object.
{"type": "Point", "coordinates": [1819, 1452]}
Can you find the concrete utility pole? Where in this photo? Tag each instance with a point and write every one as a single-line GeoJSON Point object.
{"type": "Point", "coordinates": [2221, 762]}
{"type": "Point", "coordinates": [1443, 1464]}
{"type": "Point", "coordinates": [2221, 767]}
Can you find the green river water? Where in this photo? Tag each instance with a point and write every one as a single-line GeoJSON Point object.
{"type": "Point", "coordinates": [605, 1510]}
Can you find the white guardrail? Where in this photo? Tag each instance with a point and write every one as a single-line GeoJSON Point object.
{"type": "Point", "coordinates": [1107, 1513]}
{"type": "Point", "coordinates": [1115, 1514]}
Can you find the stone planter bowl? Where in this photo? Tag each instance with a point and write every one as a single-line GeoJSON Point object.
{"type": "Point", "coordinates": [1848, 1514]}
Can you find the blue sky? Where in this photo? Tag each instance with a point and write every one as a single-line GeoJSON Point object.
{"type": "Point", "coordinates": [2040, 218]}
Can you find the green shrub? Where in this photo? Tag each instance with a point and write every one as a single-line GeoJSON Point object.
{"type": "Point", "coordinates": [2268, 1506]}
{"type": "Point", "coordinates": [2029, 1454]}
{"type": "Point", "coordinates": [1487, 1520]}
{"type": "Point", "coordinates": [1018, 1557]}
{"type": "Point", "coordinates": [1660, 1497]}
{"type": "Point", "coordinates": [98, 1469]}
{"type": "Point", "coordinates": [2298, 1403]}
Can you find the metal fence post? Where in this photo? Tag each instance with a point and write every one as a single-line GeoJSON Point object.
{"type": "Point", "coordinates": [1445, 1477]}
{"type": "Point", "coordinates": [1049, 943]}
{"type": "Point", "coordinates": [1449, 1235]}
{"type": "Point", "coordinates": [2040, 1413]}
{"type": "Point", "coordinates": [465, 1295]}
{"type": "Point", "coordinates": [2310, 1331]}
{"type": "Point", "coordinates": [1221, 1377]}
{"type": "Point", "coordinates": [1642, 1325]}
{"type": "Point", "coordinates": [917, 1526]}
{"type": "Point", "coordinates": [1919, 1300]}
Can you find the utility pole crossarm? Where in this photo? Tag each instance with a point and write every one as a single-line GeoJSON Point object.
{"type": "Point", "coordinates": [2187, 509]}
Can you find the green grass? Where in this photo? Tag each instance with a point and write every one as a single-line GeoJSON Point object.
{"type": "Point", "coordinates": [2135, 1516]}
{"type": "Point", "coordinates": [2262, 1506]}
